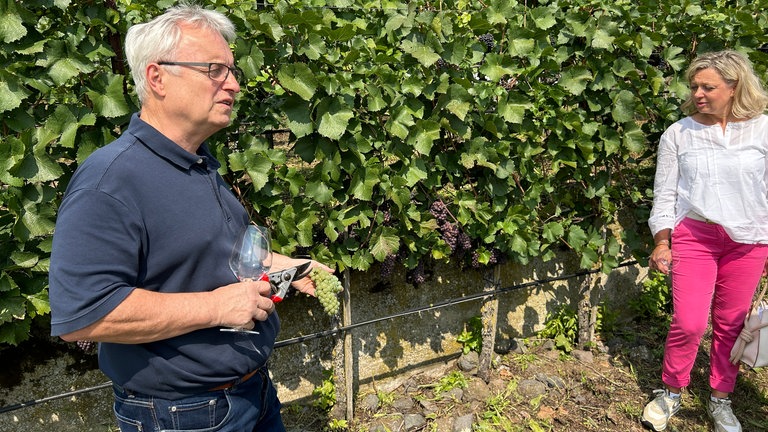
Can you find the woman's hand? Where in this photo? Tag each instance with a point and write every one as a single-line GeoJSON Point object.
{"type": "Point", "coordinates": [661, 259]}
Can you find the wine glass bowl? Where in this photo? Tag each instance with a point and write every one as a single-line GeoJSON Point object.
{"type": "Point", "coordinates": [251, 259]}
{"type": "Point", "coordinates": [251, 255]}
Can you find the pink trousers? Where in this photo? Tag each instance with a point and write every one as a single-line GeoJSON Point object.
{"type": "Point", "coordinates": [712, 276]}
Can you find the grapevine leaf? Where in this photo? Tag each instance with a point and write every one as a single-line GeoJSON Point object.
{"type": "Point", "coordinates": [634, 138]}
{"type": "Point", "coordinates": [24, 259]}
{"type": "Point", "coordinates": [374, 99]}
{"type": "Point", "coordinates": [319, 191]}
{"type": "Point", "coordinates": [298, 114]}
{"type": "Point", "coordinates": [395, 22]}
{"type": "Point", "coordinates": [544, 17]}
{"type": "Point", "coordinates": [111, 102]}
{"type": "Point", "coordinates": [334, 121]}
{"type": "Point", "coordinates": [313, 47]}
{"type": "Point", "coordinates": [575, 79]}
{"type": "Point", "coordinates": [576, 237]}
{"type": "Point", "coordinates": [521, 47]}
{"type": "Point", "coordinates": [400, 122]}
{"type": "Point", "coordinates": [497, 66]}
{"type": "Point", "coordinates": [588, 258]}
{"type": "Point", "coordinates": [11, 27]}
{"type": "Point", "coordinates": [425, 134]}
{"type": "Point", "coordinates": [39, 167]}
{"type": "Point", "coordinates": [13, 307]}
{"type": "Point", "coordinates": [11, 94]}
{"type": "Point", "coordinates": [11, 153]}
{"type": "Point", "coordinates": [363, 182]}
{"type": "Point", "coordinates": [458, 101]}
{"type": "Point", "coordinates": [513, 106]}
{"type": "Point", "coordinates": [40, 303]}
{"type": "Point", "coordinates": [258, 167]}
{"type": "Point", "coordinates": [602, 40]}
{"type": "Point", "coordinates": [623, 107]}
{"type": "Point", "coordinates": [385, 243]}
{"type": "Point", "coordinates": [672, 55]}
{"type": "Point", "coordinates": [423, 53]}
{"type": "Point", "coordinates": [553, 231]}
{"type": "Point", "coordinates": [416, 172]}
{"type": "Point", "coordinates": [298, 78]}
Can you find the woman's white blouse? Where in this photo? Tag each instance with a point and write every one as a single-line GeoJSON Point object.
{"type": "Point", "coordinates": [721, 175]}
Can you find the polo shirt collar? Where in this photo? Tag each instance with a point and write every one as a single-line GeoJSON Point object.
{"type": "Point", "coordinates": [168, 149]}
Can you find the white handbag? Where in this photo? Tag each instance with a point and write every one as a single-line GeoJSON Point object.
{"type": "Point", "coordinates": [751, 346]}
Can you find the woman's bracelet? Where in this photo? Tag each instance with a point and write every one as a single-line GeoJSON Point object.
{"type": "Point", "coordinates": [662, 242]}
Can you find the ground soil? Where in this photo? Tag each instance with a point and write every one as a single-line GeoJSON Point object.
{"type": "Point", "coordinates": [603, 389]}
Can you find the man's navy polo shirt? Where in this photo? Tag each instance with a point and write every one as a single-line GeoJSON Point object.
{"type": "Point", "coordinates": [143, 212]}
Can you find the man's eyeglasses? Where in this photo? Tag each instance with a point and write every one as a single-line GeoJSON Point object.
{"type": "Point", "coordinates": [216, 71]}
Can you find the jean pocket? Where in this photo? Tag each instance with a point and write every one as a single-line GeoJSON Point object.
{"type": "Point", "coordinates": [198, 413]}
{"type": "Point", "coordinates": [131, 413]}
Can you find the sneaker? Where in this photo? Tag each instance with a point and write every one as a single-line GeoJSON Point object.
{"type": "Point", "coordinates": [722, 415]}
{"type": "Point", "coordinates": [657, 413]}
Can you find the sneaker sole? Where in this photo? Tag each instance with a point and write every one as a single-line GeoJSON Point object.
{"type": "Point", "coordinates": [650, 426]}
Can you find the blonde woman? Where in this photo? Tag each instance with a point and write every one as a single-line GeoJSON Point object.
{"type": "Point", "coordinates": [710, 226]}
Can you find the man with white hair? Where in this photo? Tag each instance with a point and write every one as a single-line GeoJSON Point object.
{"type": "Point", "coordinates": [142, 242]}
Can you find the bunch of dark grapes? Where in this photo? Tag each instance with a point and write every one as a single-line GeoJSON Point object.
{"type": "Point", "coordinates": [327, 288]}
{"type": "Point", "coordinates": [439, 211]}
{"type": "Point", "coordinates": [388, 265]}
{"type": "Point", "coordinates": [463, 242]}
{"type": "Point", "coordinates": [417, 275]}
{"type": "Point", "coordinates": [488, 40]}
{"type": "Point", "coordinates": [441, 64]}
{"type": "Point", "coordinates": [450, 235]}
{"type": "Point", "coordinates": [86, 345]}
{"type": "Point", "coordinates": [456, 239]}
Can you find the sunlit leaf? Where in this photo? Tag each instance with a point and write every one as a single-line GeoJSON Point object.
{"type": "Point", "coordinates": [111, 103]}
{"type": "Point", "coordinates": [11, 27]}
{"type": "Point", "coordinates": [298, 78]}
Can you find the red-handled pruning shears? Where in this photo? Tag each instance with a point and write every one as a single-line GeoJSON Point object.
{"type": "Point", "coordinates": [280, 282]}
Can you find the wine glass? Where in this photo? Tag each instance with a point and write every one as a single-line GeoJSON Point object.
{"type": "Point", "coordinates": [251, 258]}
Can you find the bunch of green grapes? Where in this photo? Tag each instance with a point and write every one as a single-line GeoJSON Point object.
{"type": "Point", "coordinates": [328, 286]}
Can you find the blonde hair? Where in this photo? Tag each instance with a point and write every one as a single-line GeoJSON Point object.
{"type": "Point", "coordinates": [749, 96]}
{"type": "Point", "coordinates": [159, 38]}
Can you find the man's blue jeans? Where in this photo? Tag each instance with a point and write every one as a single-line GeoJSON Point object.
{"type": "Point", "coordinates": [245, 407]}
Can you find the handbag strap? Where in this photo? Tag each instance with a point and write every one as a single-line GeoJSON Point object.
{"type": "Point", "coordinates": [759, 298]}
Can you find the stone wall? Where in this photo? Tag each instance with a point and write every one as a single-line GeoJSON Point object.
{"type": "Point", "coordinates": [390, 347]}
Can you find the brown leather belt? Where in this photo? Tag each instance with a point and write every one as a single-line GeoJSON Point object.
{"type": "Point", "coordinates": [700, 218]}
{"type": "Point", "coordinates": [240, 380]}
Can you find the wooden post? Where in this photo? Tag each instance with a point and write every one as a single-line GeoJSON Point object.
{"type": "Point", "coordinates": [587, 313]}
{"type": "Point", "coordinates": [342, 360]}
{"type": "Point", "coordinates": [489, 317]}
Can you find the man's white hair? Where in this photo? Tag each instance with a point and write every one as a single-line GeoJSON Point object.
{"type": "Point", "coordinates": [158, 39]}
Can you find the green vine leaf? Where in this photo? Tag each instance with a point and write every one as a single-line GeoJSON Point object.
{"type": "Point", "coordinates": [298, 78]}
{"type": "Point", "coordinates": [110, 102]}
{"type": "Point", "coordinates": [423, 53]}
{"type": "Point", "coordinates": [11, 27]}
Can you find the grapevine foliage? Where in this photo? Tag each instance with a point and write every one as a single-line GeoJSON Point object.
{"type": "Point", "coordinates": [327, 289]}
{"type": "Point", "coordinates": [534, 123]}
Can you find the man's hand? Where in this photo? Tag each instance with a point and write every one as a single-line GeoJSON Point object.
{"type": "Point", "coordinates": [305, 284]}
{"type": "Point", "coordinates": [242, 303]}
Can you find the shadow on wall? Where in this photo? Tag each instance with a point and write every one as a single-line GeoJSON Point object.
{"type": "Point", "coordinates": [406, 333]}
